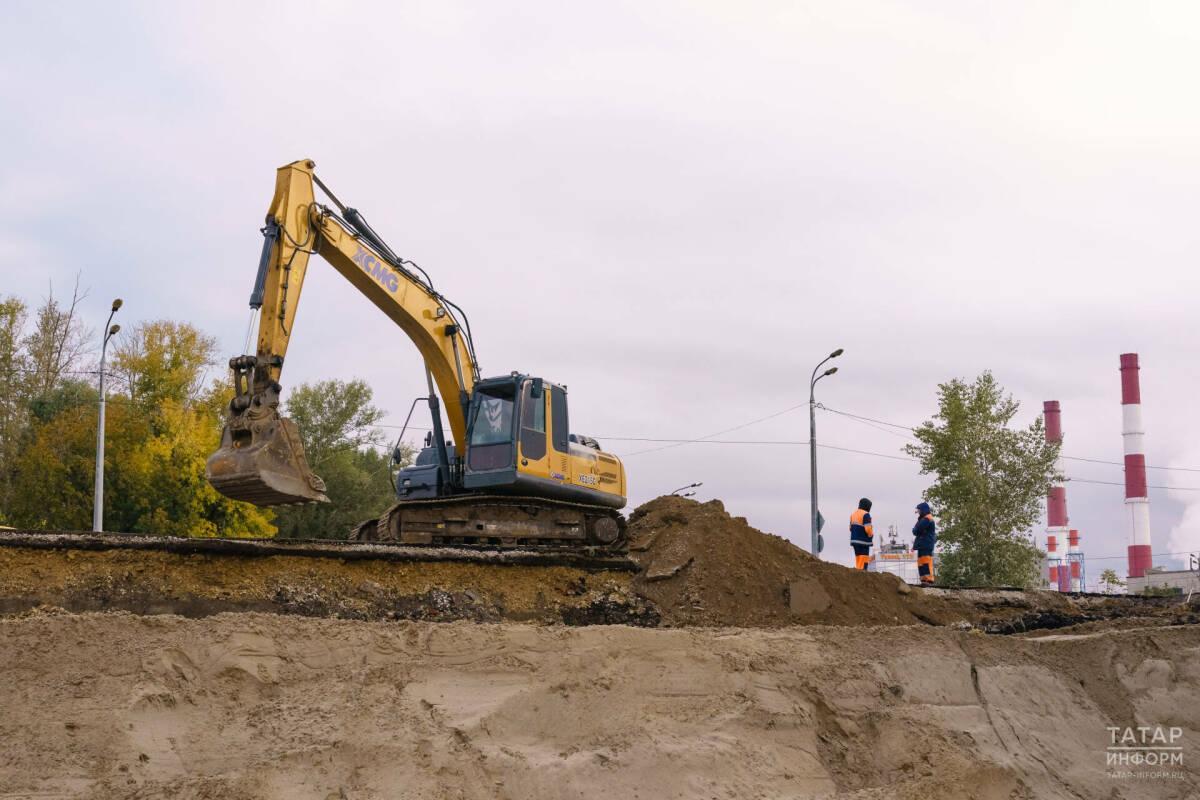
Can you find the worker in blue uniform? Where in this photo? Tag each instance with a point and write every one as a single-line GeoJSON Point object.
{"type": "Point", "coordinates": [924, 537]}
{"type": "Point", "coordinates": [861, 533]}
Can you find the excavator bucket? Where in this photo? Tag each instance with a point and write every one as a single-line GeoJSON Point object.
{"type": "Point", "coordinates": [262, 462]}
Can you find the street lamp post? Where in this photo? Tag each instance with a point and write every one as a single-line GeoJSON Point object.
{"type": "Point", "coordinates": [812, 440]}
{"type": "Point", "coordinates": [689, 486]}
{"type": "Point", "coordinates": [98, 504]}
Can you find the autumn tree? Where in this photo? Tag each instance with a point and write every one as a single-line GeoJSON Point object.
{"type": "Point", "coordinates": [32, 365]}
{"type": "Point", "coordinates": [163, 361]}
{"type": "Point", "coordinates": [990, 482]}
{"type": "Point", "coordinates": [161, 426]}
{"type": "Point", "coordinates": [12, 405]}
{"type": "Point", "coordinates": [337, 423]}
{"type": "Point", "coordinates": [167, 431]}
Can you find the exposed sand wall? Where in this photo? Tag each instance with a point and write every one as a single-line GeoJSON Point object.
{"type": "Point", "coordinates": [267, 706]}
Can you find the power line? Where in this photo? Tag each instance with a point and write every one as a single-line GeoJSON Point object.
{"type": "Point", "coordinates": [1121, 464]}
{"type": "Point", "coordinates": [27, 371]}
{"type": "Point", "coordinates": [783, 442]}
{"type": "Point", "coordinates": [677, 443]}
{"type": "Point", "coordinates": [864, 419]}
{"type": "Point", "coordinates": [861, 417]}
{"type": "Point", "coordinates": [1152, 555]}
{"type": "Point", "coordinates": [871, 423]}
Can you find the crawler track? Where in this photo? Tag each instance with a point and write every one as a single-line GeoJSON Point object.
{"type": "Point", "coordinates": [488, 522]}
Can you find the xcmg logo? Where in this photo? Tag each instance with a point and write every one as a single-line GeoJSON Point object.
{"type": "Point", "coordinates": [378, 270]}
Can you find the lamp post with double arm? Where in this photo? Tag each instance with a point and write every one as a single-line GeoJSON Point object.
{"type": "Point", "coordinates": [98, 502]}
{"type": "Point", "coordinates": [812, 442]}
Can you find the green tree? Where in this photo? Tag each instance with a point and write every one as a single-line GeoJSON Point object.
{"type": "Point", "coordinates": [337, 424]}
{"type": "Point", "coordinates": [1110, 581]}
{"type": "Point", "coordinates": [13, 413]}
{"type": "Point", "coordinates": [990, 482]}
{"type": "Point", "coordinates": [32, 367]}
{"type": "Point", "coordinates": [157, 438]}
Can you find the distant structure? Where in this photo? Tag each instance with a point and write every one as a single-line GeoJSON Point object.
{"type": "Point", "coordinates": [1065, 569]}
{"type": "Point", "coordinates": [1055, 564]}
{"type": "Point", "coordinates": [895, 557]}
{"type": "Point", "coordinates": [1137, 502]}
{"type": "Point", "coordinates": [1076, 578]}
{"type": "Point", "coordinates": [1161, 579]}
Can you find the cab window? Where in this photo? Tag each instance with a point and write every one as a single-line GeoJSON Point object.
{"type": "Point", "coordinates": [533, 423]}
{"type": "Point", "coordinates": [558, 419]}
{"type": "Point", "coordinates": [493, 421]}
{"type": "Point", "coordinates": [491, 438]}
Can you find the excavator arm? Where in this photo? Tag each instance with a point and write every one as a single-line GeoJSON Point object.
{"type": "Point", "coordinates": [261, 459]}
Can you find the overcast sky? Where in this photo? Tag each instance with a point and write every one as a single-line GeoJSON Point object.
{"type": "Point", "coordinates": [676, 209]}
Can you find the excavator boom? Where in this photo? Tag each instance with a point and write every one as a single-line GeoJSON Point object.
{"type": "Point", "coordinates": [261, 459]}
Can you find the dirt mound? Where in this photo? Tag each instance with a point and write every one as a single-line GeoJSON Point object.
{"type": "Point", "coordinates": [703, 567]}
{"type": "Point", "coordinates": [698, 566]}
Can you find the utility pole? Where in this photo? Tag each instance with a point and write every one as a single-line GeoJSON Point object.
{"type": "Point", "coordinates": [98, 502]}
{"type": "Point", "coordinates": [812, 444]}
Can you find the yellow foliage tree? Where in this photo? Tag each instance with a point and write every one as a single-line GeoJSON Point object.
{"type": "Point", "coordinates": [161, 426]}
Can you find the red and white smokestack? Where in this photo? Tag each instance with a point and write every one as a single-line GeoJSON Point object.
{"type": "Point", "coordinates": [1137, 503]}
{"type": "Point", "coordinates": [1075, 556]}
{"type": "Point", "coordinates": [1056, 500]}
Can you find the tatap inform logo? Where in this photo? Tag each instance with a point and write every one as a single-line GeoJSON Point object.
{"type": "Point", "coordinates": [1145, 751]}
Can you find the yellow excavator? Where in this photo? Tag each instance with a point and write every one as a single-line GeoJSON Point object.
{"type": "Point", "coordinates": [512, 476]}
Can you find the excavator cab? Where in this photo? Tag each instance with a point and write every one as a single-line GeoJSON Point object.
{"type": "Point", "coordinates": [518, 443]}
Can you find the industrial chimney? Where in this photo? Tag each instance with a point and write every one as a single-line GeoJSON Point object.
{"type": "Point", "coordinates": [1137, 503]}
{"type": "Point", "coordinates": [1056, 503]}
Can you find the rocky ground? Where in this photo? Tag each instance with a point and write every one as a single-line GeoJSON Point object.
{"type": "Point", "coordinates": [728, 663]}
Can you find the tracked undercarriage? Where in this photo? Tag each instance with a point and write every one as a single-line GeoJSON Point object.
{"type": "Point", "coordinates": [498, 522]}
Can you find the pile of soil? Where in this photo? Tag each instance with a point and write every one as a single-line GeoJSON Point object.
{"type": "Point", "coordinates": [701, 566]}
{"type": "Point", "coordinates": [698, 567]}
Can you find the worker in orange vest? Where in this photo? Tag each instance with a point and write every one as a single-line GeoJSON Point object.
{"type": "Point", "coordinates": [924, 537]}
{"type": "Point", "coordinates": [861, 533]}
